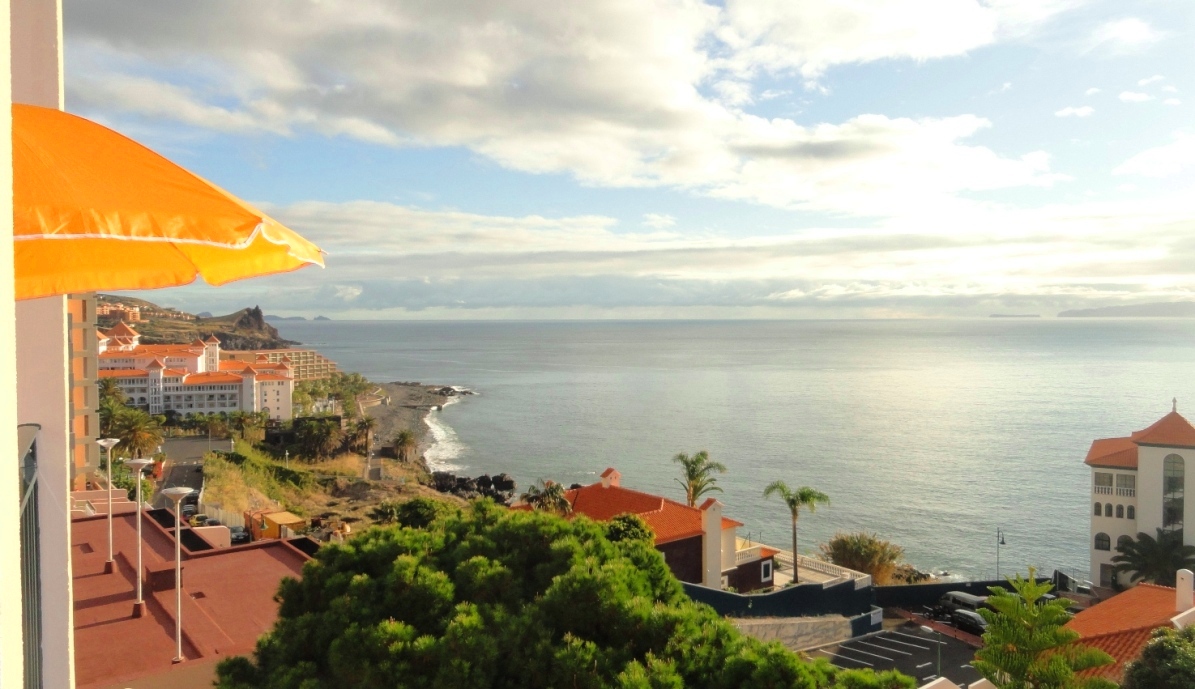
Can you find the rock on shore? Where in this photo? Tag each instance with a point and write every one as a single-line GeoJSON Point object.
{"type": "Point", "coordinates": [500, 488]}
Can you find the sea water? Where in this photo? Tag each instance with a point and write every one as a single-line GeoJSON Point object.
{"type": "Point", "coordinates": [930, 433]}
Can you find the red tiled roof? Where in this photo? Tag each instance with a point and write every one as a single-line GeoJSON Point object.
{"type": "Point", "coordinates": [122, 329]}
{"type": "Point", "coordinates": [1113, 452]}
{"type": "Point", "coordinates": [155, 365]}
{"type": "Point", "coordinates": [123, 373]}
{"type": "Point", "coordinates": [1121, 625]}
{"type": "Point", "coordinates": [271, 376]}
{"type": "Point", "coordinates": [1171, 430]}
{"type": "Point", "coordinates": [212, 339]}
{"type": "Point", "coordinates": [211, 378]}
{"type": "Point", "coordinates": [670, 520]}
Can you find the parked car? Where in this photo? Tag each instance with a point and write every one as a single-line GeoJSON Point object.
{"type": "Point", "coordinates": [191, 498]}
{"type": "Point", "coordinates": [957, 600]}
{"type": "Point", "coordinates": [213, 522]}
{"type": "Point", "coordinates": [188, 511]}
{"type": "Point", "coordinates": [197, 520]}
{"type": "Point", "coordinates": [239, 535]}
{"type": "Point", "coordinates": [970, 622]}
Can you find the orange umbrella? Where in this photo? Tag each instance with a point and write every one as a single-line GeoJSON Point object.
{"type": "Point", "coordinates": [94, 210]}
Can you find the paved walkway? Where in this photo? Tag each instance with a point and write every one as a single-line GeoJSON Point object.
{"type": "Point", "coordinates": [184, 464]}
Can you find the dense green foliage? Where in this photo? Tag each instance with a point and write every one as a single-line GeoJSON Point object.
{"type": "Point", "coordinates": [629, 526]}
{"type": "Point", "coordinates": [547, 496]}
{"type": "Point", "coordinates": [1026, 646]}
{"type": "Point", "coordinates": [417, 513]}
{"type": "Point", "coordinates": [697, 475]}
{"type": "Point", "coordinates": [406, 445]}
{"type": "Point", "coordinates": [319, 438]}
{"type": "Point", "coordinates": [1167, 662]}
{"type": "Point", "coordinates": [501, 598]}
{"type": "Point", "coordinates": [342, 387]}
{"type": "Point", "coordinates": [138, 432]}
{"type": "Point", "coordinates": [864, 552]}
{"type": "Point", "coordinates": [1155, 560]}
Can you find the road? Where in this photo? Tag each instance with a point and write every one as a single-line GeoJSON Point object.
{"type": "Point", "coordinates": [185, 464]}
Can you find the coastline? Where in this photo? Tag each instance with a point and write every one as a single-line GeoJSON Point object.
{"type": "Point", "coordinates": [414, 406]}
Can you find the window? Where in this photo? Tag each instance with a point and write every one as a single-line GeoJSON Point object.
{"type": "Point", "coordinates": [1103, 483]}
{"type": "Point", "coordinates": [1120, 511]}
{"type": "Point", "coordinates": [1132, 512]}
{"type": "Point", "coordinates": [1099, 509]}
{"type": "Point", "coordinates": [1173, 479]}
{"type": "Point", "coordinates": [765, 571]}
{"type": "Point", "coordinates": [1107, 509]}
{"type": "Point", "coordinates": [1122, 542]}
{"type": "Point", "coordinates": [1126, 485]}
{"type": "Point", "coordinates": [1103, 542]}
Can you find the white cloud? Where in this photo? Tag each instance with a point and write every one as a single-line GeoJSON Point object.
{"type": "Point", "coordinates": [1091, 91]}
{"type": "Point", "coordinates": [1151, 80]}
{"type": "Point", "coordinates": [658, 220]}
{"type": "Point", "coordinates": [610, 92]}
{"type": "Point", "coordinates": [1072, 111]}
{"type": "Point", "coordinates": [1169, 89]}
{"type": "Point", "coordinates": [1172, 101]}
{"type": "Point", "coordinates": [1135, 97]}
{"type": "Point", "coordinates": [1162, 161]}
{"type": "Point", "coordinates": [1121, 36]}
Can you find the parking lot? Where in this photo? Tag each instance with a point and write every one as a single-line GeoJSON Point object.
{"type": "Point", "coordinates": [908, 649]}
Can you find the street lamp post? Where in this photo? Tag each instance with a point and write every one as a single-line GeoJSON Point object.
{"type": "Point", "coordinates": [138, 465]}
{"type": "Point", "coordinates": [999, 542]}
{"type": "Point", "coordinates": [931, 630]}
{"type": "Point", "coordinates": [176, 494]}
{"type": "Point", "coordinates": [108, 444]}
{"type": "Point", "coordinates": [287, 459]}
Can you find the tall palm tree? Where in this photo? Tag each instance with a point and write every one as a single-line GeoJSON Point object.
{"type": "Point", "coordinates": [406, 445]}
{"type": "Point", "coordinates": [697, 475]}
{"type": "Point", "coordinates": [548, 496]}
{"type": "Point", "coordinates": [803, 496]}
{"type": "Point", "coordinates": [1156, 560]}
{"type": "Point", "coordinates": [362, 436]}
{"type": "Point", "coordinates": [138, 432]}
{"type": "Point", "coordinates": [110, 390]}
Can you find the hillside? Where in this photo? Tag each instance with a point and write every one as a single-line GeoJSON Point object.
{"type": "Point", "coordinates": [244, 329]}
{"type": "Point", "coordinates": [1173, 309]}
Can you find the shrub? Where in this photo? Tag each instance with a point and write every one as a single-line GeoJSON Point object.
{"type": "Point", "coordinates": [864, 552]}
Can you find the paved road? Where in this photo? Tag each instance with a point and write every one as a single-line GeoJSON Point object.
{"type": "Point", "coordinates": [909, 650]}
{"type": "Point", "coordinates": [185, 466]}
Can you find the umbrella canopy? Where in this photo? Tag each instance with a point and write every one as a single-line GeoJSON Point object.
{"type": "Point", "coordinates": [95, 210]}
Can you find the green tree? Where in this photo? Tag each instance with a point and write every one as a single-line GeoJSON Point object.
{"type": "Point", "coordinates": [360, 440]}
{"type": "Point", "coordinates": [631, 526]}
{"type": "Point", "coordinates": [1155, 560]}
{"type": "Point", "coordinates": [406, 445]}
{"type": "Point", "coordinates": [109, 389]}
{"type": "Point", "coordinates": [547, 496]}
{"type": "Point", "coordinates": [864, 552]}
{"type": "Point", "coordinates": [319, 438]}
{"type": "Point", "coordinates": [138, 432]}
{"type": "Point", "coordinates": [1026, 645]}
{"type": "Point", "coordinates": [697, 475]}
{"type": "Point", "coordinates": [804, 496]}
{"type": "Point", "coordinates": [1167, 662]}
{"type": "Point", "coordinates": [497, 598]}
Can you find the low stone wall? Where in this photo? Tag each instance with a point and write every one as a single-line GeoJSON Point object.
{"type": "Point", "coordinates": [796, 633]}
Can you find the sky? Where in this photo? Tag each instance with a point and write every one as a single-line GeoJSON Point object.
{"type": "Point", "coordinates": [673, 158]}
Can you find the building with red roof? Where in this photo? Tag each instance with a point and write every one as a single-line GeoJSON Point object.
{"type": "Point", "coordinates": [1123, 624]}
{"type": "Point", "coordinates": [698, 543]}
{"type": "Point", "coordinates": [192, 378]}
{"type": "Point", "coordinates": [1138, 484]}
{"type": "Point", "coordinates": [227, 600]}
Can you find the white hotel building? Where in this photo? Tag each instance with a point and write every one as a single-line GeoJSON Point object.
{"type": "Point", "coordinates": [192, 378]}
{"type": "Point", "coordinates": [1139, 484]}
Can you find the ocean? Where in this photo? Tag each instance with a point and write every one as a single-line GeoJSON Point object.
{"type": "Point", "coordinates": [931, 433]}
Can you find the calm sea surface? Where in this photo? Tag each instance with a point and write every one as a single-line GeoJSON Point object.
{"type": "Point", "coordinates": [930, 433]}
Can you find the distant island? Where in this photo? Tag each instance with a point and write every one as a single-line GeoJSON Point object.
{"type": "Point", "coordinates": [322, 318]}
{"type": "Point", "coordinates": [1015, 315]}
{"type": "Point", "coordinates": [272, 317]}
{"type": "Point", "coordinates": [1173, 309]}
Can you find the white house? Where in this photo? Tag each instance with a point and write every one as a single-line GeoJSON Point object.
{"type": "Point", "coordinates": [192, 378]}
{"type": "Point", "coordinates": [1139, 484]}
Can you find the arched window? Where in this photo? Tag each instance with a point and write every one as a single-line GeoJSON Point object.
{"type": "Point", "coordinates": [1107, 509]}
{"type": "Point", "coordinates": [1103, 542]}
{"type": "Point", "coordinates": [1099, 509]}
{"type": "Point", "coordinates": [1174, 476]}
{"type": "Point", "coordinates": [1122, 542]}
{"type": "Point", "coordinates": [1120, 511]}
{"type": "Point", "coordinates": [1132, 512]}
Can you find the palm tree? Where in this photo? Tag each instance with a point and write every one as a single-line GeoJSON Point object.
{"type": "Point", "coordinates": [137, 431]}
{"type": "Point", "coordinates": [362, 437]}
{"type": "Point", "coordinates": [110, 390]}
{"type": "Point", "coordinates": [1156, 560]}
{"type": "Point", "coordinates": [803, 496]}
{"type": "Point", "coordinates": [406, 445]}
{"type": "Point", "coordinates": [548, 496]}
{"type": "Point", "coordinates": [697, 478]}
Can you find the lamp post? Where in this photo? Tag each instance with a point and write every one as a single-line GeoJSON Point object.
{"type": "Point", "coordinates": [138, 465]}
{"type": "Point", "coordinates": [287, 452]}
{"type": "Point", "coordinates": [931, 630]}
{"type": "Point", "coordinates": [232, 443]}
{"type": "Point", "coordinates": [999, 542]}
{"type": "Point", "coordinates": [176, 494]}
{"type": "Point", "coordinates": [108, 444]}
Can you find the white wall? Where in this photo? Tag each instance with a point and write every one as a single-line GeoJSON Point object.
{"type": "Point", "coordinates": [1113, 526]}
{"type": "Point", "coordinates": [1149, 487]}
{"type": "Point", "coordinates": [11, 670]}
